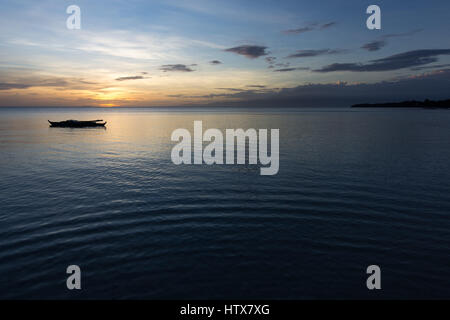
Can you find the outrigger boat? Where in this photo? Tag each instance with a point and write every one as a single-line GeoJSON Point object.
{"type": "Point", "coordinates": [77, 124]}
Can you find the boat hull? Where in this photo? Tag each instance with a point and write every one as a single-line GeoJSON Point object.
{"type": "Point", "coordinates": [76, 124]}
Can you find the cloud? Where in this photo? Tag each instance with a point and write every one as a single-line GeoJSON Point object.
{"type": "Point", "coordinates": [65, 83]}
{"type": "Point", "coordinates": [285, 70]}
{"type": "Point", "coordinates": [298, 30]}
{"type": "Point", "coordinates": [131, 44]}
{"type": "Point", "coordinates": [215, 62]}
{"type": "Point", "coordinates": [382, 41]}
{"type": "Point", "coordinates": [231, 89]}
{"type": "Point", "coordinates": [249, 51]}
{"type": "Point", "coordinates": [437, 66]}
{"type": "Point", "coordinates": [9, 86]}
{"type": "Point", "coordinates": [433, 85]}
{"type": "Point", "coordinates": [310, 27]}
{"type": "Point", "coordinates": [314, 53]}
{"type": "Point", "coordinates": [283, 65]}
{"type": "Point", "coordinates": [328, 25]}
{"type": "Point", "coordinates": [374, 45]}
{"type": "Point", "coordinates": [271, 61]}
{"type": "Point", "coordinates": [256, 86]}
{"type": "Point", "coordinates": [130, 78]}
{"type": "Point", "coordinates": [395, 62]}
{"type": "Point", "coordinates": [291, 69]}
{"type": "Point", "coordinates": [176, 67]}
{"type": "Point", "coordinates": [230, 93]}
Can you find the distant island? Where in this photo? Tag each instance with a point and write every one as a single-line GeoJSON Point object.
{"type": "Point", "coordinates": [427, 104]}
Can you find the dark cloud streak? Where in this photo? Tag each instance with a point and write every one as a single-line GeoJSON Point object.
{"type": "Point", "coordinates": [130, 78]}
{"type": "Point", "coordinates": [438, 66]}
{"type": "Point", "coordinates": [64, 83]}
{"type": "Point", "coordinates": [249, 51]}
{"type": "Point", "coordinates": [310, 27]}
{"type": "Point", "coordinates": [9, 86]}
{"type": "Point", "coordinates": [176, 68]}
{"type": "Point", "coordinates": [315, 53]}
{"type": "Point", "coordinates": [399, 61]}
{"type": "Point", "coordinates": [374, 45]}
{"type": "Point", "coordinates": [291, 69]}
{"type": "Point", "coordinates": [382, 41]}
{"type": "Point", "coordinates": [256, 86]}
{"type": "Point", "coordinates": [328, 25]}
{"type": "Point", "coordinates": [298, 30]}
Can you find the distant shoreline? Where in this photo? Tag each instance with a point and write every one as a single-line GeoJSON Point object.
{"type": "Point", "coordinates": [426, 104]}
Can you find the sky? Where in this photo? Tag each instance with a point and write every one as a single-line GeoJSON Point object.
{"type": "Point", "coordinates": [205, 52]}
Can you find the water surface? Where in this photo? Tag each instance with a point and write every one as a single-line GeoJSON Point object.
{"type": "Point", "coordinates": [355, 188]}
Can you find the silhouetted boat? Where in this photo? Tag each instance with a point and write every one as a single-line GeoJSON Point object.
{"type": "Point", "coordinates": [77, 124]}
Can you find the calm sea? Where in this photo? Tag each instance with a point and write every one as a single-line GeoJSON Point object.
{"type": "Point", "coordinates": [355, 188]}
